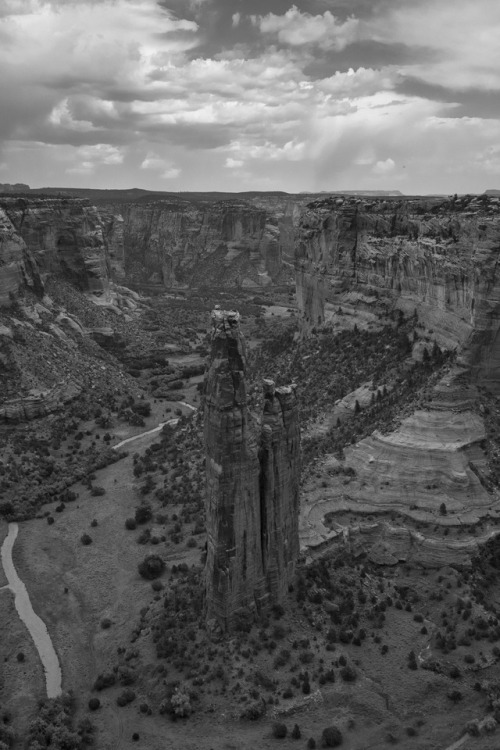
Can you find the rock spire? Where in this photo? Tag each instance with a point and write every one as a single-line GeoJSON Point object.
{"type": "Point", "coordinates": [252, 474]}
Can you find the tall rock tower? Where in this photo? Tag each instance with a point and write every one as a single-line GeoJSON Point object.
{"type": "Point", "coordinates": [279, 480]}
{"type": "Point", "coordinates": [252, 474]}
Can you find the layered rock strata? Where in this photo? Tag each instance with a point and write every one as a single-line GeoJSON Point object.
{"type": "Point", "coordinates": [182, 243]}
{"type": "Point", "coordinates": [438, 257]}
{"type": "Point", "coordinates": [61, 237]}
{"type": "Point", "coordinates": [252, 475]}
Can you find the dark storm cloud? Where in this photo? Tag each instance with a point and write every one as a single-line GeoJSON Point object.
{"type": "Point", "coordinates": [366, 53]}
{"type": "Point", "coordinates": [470, 102]}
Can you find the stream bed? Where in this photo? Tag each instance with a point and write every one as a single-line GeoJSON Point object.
{"type": "Point", "coordinates": [36, 627]}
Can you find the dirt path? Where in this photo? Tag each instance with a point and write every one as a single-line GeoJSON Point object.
{"type": "Point", "coordinates": [35, 625]}
{"type": "Point", "coordinates": [155, 429]}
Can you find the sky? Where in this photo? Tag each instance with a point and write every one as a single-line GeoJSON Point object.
{"type": "Point", "coordinates": [238, 95]}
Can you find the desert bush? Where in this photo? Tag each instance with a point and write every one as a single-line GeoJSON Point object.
{"type": "Point", "coordinates": [104, 680]}
{"type": "Point", "coordinates": [311, 743]}
{"type": "Point", "coordinates": [86, 539]}
{"type": "Point", "coordinates": [94, 704]}
{"type": "Point", "coordinates": [279, 731]}
{"type": "Point", "coordinates": [151, 567]}
{"type": "Point", "coordinates": [97, 491]}
{"type": "Point", "coordinates": [348, 674]}
{"type": "Point", "coordinates": [331, 737]}
{"type": "Point", "coordinates": [254, 711]}
{"type": "Point", "coordinates": [105, 623]}
{"type": "Point", "coordinates": [143, 514]}
{"type": "Point", "coordinates": [130, 524]}
{"type": "Point", "coordinates": [412, 660]}
{"type": "Point", "coordinates": [144, 537]}
{"type": "Point", "coordinates": [296, 734]}
{"type": "Point", "coordinates": [125, 697]}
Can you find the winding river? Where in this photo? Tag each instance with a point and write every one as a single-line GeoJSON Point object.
{"type": "Point", "coordinates": [35, 625]}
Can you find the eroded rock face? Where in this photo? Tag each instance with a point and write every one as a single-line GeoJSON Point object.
{"type": "Point", "coordinates": [64, 237]}
{"type": "Point", "coordinates": [17, 264]}
{"type": "Point", "coordinates": [436, 256]}
{"type": "Point", "coordinates": [279, 458]}
{"type": "Point", "coordinates": [252, 483]}
{"type": "Point", "coordinates": [182, 243]}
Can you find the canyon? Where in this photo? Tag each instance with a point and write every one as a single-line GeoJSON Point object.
{"type": "Point", "coordinates": [325, 499]}
{"type": "Point", "coordinates": [435, 260]}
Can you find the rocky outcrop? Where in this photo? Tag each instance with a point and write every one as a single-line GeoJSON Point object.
{"type": "Point", "coordinates": [18, 268]}
{"type": "Point", "coordinates": [252, 474]}
{"type": "Point", "coordinates": [438, 257]}
{"type": "Point", "coordinates": [39, 404]}
{"type": "Point", "coordinates": [62, 237]}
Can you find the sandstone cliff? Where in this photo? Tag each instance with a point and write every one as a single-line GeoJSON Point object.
{"type": "Point", "coordinates": [252, 475]}
{"type": "Point", "coordinates": [60, 237]}
{"type": "Point", "coordinates": [438, 257]}
{"type": "Point", "coordinates": [279, 457]}
{"type": "Point", "coordinates": [18, 268]}
{"type": "Point", "coordinates": [179, 243]}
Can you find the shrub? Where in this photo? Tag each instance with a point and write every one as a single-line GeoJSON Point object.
{"type": "Point", "coordinates": [412, 660]}
{"type": "Point", "coordinates": [20, 656]}
{"type": "Point", "coordinates": [86, 539]}
{"type": "Point", "coordinates": [143, 514]}
{"type": "Point", "coordinates": [296, 735]}
{"type": "Point", "coordinates": [94, 704]}
{"type": "Point", "coordinates": [279, 731]}
{"type": "Point", "coordinates": [130, 524]}
{"type": "Point", "coordinates": [151, 567]}
{"type": "Point", "coordinates": [254, 711]}
{"type": "Point", "coordinates": [104, 680]}
{"type": "Point", "coordinates": [125, 697]}
{"type": "Point", "coordinates": [331, 737]}
{"type": "Point", "coordinates": [93, 523]}
{"type": "Point", "coordinates": [105, 623]}
{"type": "Point", "coordinates": [311, 743]}
{"type": "Point", "coordinates": [50, 520]}
{"type": "Point", "coordinates": [348, 674]}
{"type": "Point", "coordinates": [97, 491]}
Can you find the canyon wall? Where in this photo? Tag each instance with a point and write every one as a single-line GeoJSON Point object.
{"type": "Point", "coordinates": [252, 475]}
{"type": "Point", "coordinates": [436, 256]}
{"type": "Point", "coordinates": [201, 241]}
{"type": "Point", "coordinates": [41, 236]}
{"type": "Point", "coordinates": [186, 243]}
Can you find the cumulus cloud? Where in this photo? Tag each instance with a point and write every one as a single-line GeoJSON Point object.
{"type": "Point", "coordinates": [143, 91]}
{"type": "Point", "coordinates": [87, 158]}
{"type": "Point", "coordinates": [384, 167]}
{"type": "Point", "coordinates": [460, 40]}
{"type": "Point", "coordinates": [170, 173]}
{"type": "Point", "coordinates": [296, 28]}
